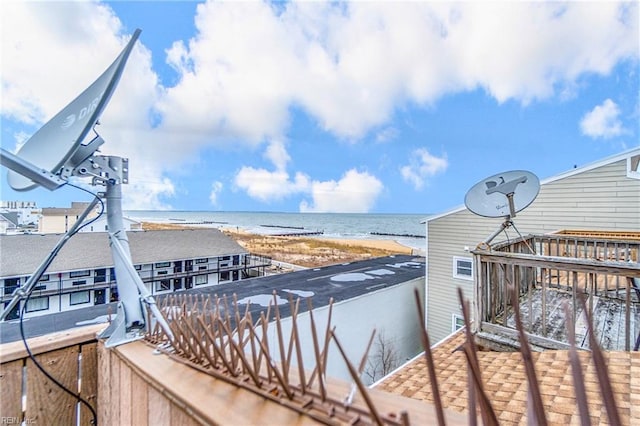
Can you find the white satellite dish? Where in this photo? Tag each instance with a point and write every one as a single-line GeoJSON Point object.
{"type": "Point", "coordinates": [490, 197]}
{"type": "Point", "coordinates": [56, 152]}
{"type": "Point", "coordinates": [55, 143]}
{"type": "Point", "coordinates": [503, 195]}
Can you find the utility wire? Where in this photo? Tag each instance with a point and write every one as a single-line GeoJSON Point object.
{"type": "Point", "coordinates": [94, 420]}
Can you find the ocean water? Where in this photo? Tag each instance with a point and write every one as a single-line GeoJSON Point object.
{"type": "Point", "coordinates": [406, 229]}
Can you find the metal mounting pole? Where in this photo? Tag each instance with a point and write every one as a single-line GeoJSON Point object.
{"type": "Point", "coordinates": [130, 321]}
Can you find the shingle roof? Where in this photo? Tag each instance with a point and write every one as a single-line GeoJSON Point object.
{"type": "Point", "coordinates": [506, 384]}
{"type": "Point", "coordinates": [21, 254]}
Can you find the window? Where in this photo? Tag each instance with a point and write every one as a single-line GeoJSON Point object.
{"type": "Point", "coordinates": [201, 279]}
{"type": "Point", "coordinates": [100, 276]}
{"type": "Point", "coordinates": [76, 274]}
{"type": "Point", "coordinates": [463, 268]}
{"type": "Point", "coordinates": [44, 278]}
{"type": "Point", "coordinates": [163, 285]}
{"type": "Point", "coordinates": [138, 267]}
{"type": "Point", "coordinates": [38, 304]}
{"type": "Point", "coordinates": [81, 282]}
{"type": "Point", "coordinates": [163, 264]}
{"type": "Point", "coordinates": [40, 287]}
{"type": "Point", "coordinates": [10, 284]}
{"type": "Point", "coordinates": [457, 322]}
{"type": "Point", "coordinates": [633, 167]}
{"type": "Point", "coordinates": [224, 276]}
{"type": "Point", "coordinates": [163, 272]}
{"type": "Point", "coordinates": [204, 260]}
{"type": "Point", "coordinates": [78, 297]}
{"type": "Point", "coordinates": [177, 284]}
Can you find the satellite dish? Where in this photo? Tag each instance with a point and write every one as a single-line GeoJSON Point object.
{"type": "Point", "coordinates": [503, 194]}
{"type": "Point", "coordinates": [53, 146]}
{"type": "Point", "coordinates": [56, 152]}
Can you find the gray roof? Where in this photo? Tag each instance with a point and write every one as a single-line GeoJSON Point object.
{"type": "Point", "coordinates": [21, 254]}
{"type": "Point", "coordinates": [338, 282]}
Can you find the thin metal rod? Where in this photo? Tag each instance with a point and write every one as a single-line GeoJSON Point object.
{"type": "Point", "coordinates": [22, 292]}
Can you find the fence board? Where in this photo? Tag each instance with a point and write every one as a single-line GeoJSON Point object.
{"type": "Point", "coordinates": [104, 385]}
{"type": "Point", "coordinates": [46, 402]}
{"type": "Point", "coordinates": [114, 389]}
{"type": "Point", "coordinates": [159, 408]}
{"type": "Point", "coordinates": [89, 381]}
{"type": "Point", "coordinates": [140, 408]}
{"type": "Point", "coordinates": [11, 390]}
{"type": "Point", "coordinates": [180, 417]}
{"type": "Point", "coordinates": [126, 399]}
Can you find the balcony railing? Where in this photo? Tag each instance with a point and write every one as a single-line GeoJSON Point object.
{"type": "Point", "coordinates": [547, 272]}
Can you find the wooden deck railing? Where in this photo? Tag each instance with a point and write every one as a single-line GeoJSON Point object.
{"type": "Point", "coordinates": [545, 271]}
{"type": "Point", "coordinates": [28, 397]}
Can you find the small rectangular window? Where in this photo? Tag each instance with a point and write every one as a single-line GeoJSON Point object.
{"type": "Point", "coordinates": [37, 304]}
{"type": "Point", "coordinates": [633, 167]}
{"type": "Point", "coordinates": [163, 285]}
{"type": "Point", "coordinates": [76, 274]}
{"type": "Point", "coordinates": [203, 260]}
{"type": "Point", "coordinates": [201, 279]}
{"type": "Point", "coordinates": [224, 276]}
{"type": "Point", "coordinates": [163, 264]}
{"type": "Point", "coordinates": [463, 268]}
{"type": "Point", "coordinates": [457, 322]}
{"type": "Point", "coordinates": [44, 278]}
{"type": "Point", "coordinates": [81, 282]}
{"type": "Point", "coordinates": [138, 267]}
{"type": "Point", "coordinates": [78, 297]}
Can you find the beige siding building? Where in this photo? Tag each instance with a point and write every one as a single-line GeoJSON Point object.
{"type": "Point", "coordinates": [55, 220]}
{"type": "Point", "coordinates": [603, 196]}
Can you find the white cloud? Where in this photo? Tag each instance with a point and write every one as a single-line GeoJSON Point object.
{"type": "Point", "coordinates": [349, 65]}
{"type": "Point", "coordinates": [423, 165]}
{"type": "Point", "coordinates": [277, 153]}
{"type": "Point", "coordinates": [216, 188]}
{"type": "Point", "coordinates": [387, 134]}
{"type": "Point", "coordinates": [602, 121]}
{"type": "Point", "coordinates": [146, 194]}
{"type": "Point", "coordinates": [355, 192]}
{"type": "Point", "coordinates": [267, 186]}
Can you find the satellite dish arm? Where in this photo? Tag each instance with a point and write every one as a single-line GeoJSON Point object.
{"type": "Point", "coordinates": [504, 225]}
{"type": "Point", "coordinates": [29, 170]}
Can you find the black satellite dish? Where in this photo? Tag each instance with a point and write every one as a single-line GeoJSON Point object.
{"type": "Point", "coordinates": [503, 195]}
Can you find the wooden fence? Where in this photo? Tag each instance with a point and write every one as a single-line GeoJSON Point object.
{"type": "Point", "coordinates": [29, 397]}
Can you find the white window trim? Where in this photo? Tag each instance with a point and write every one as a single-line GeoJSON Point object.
{"type": "Point", "coordinates": [633, 167]}
{"type": "Point", "coordinates": [456, 259]}
{"type": "Point", "coordinates": [454, 322]}
{"type": "Point", "coordinates": [77, 294]}
{"type": "Point", "coordinates": [33, 302]}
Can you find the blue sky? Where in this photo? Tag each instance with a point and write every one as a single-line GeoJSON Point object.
{"type": "Point", "coordinates": [382, 107]}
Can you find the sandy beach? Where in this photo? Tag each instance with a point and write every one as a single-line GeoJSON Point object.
{"type": "Point", "coordinates": [305, 251]}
